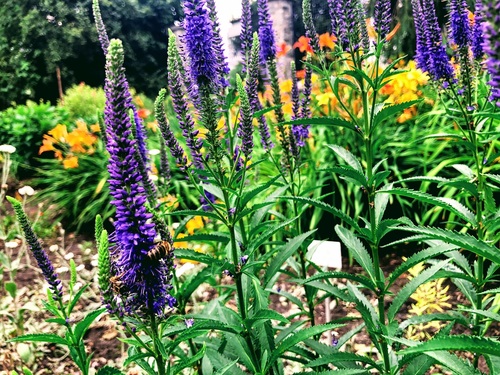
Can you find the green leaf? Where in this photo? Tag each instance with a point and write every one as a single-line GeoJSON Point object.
{"type": "Point", "coordinates": [361, 279]}
{"type": "Point", "coordinates": [464, 170]}
{"type": "Point", "coordinates": [328, 121]}
{"type": "Point", "coordinates": [264, 314]}
{"type": "Point", "coordinates": [190, 254]}
{"type": "Point", "coordinates": [203, 237]}
{"type": "Point", "coordinates": [348, 157]}
{"type": "Point", "coordinates": [409, 288]}
{"type": "Point", "coordinates": [187, 362]}
{"type": "Point", "coordinates": [419, 365]}
{"type": "Point", "coordinates": [283, 253]}
{"type": "Point", "coordinates": [264, 236]}
{"type": "Point", "coordinates": [447, 203]}
{"type": "Point", "coordinates": [215, 360]}
{"type": "Point", "coordinates": [472, 344]}
{"type": "Point", "coordinates": [350, 174]}
{"type": "Point", "coordinates": [107, 370]}
{"type": "Point", "coordinates": [75, 299]}
{"type": "Point", "coordinates": [11, 288]}
{"type": "Point", "coordinates": [343, 356]}
{"type": "Point", "coordinates": [392, 110]}
{"type": "Point", "coordinates": [136, 358]}
{"type": "Point", "coordinates": [327, 208]}
{"type": "Point", "coordinates": [40, 337]}
{"type": "Point", "coordinates": [381, 201]}
{"type": "Point", "coordinates": [298, 337]}
{"type": "Point", "coordinates": [419, 257]}
{"type": "Point", "coordinates": [188, 286]}
{"type": "Point", "coordinates": [85, 323]}
{"type": "Point", "coordinates": [463, 240]}
{"type": "Point", "coordinates": [364, 307]}
{"type": "Point", "coordinates": [183, 213]}
{"type": "Point", "coordinates": [357, 250]}
{"type": "Point", "coordinates": [249, 195]}
{"type": "Point", "coordinates": [348, 371]}
{"type": "Point", "coordinates": [493, 177]}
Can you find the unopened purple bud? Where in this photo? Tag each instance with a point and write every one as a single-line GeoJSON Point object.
{"type": "Point", "coordinates": [227, 273]}
{"type": "Point", "coordinates": [335, 342]}
{"type": "Point", "coordinates": [485, 161]}
{"type": "Point", "coordinates": [189, 322]}
{"type": "Point", "coordinates": [244, 259]}
{"type": "Point", "coordinates": [232, 211]}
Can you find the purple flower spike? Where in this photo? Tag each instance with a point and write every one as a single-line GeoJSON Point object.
{"type": "Point", "coordinates": [477, 32]}
{"type": "Point", "coordinates": [40, 255]}
{"type": "Point", "coordinates": [145, 283]}
{"type": "Point", "coordinates": [199, 39]}
{"type": "Point", "coordinates": [382, 17]}
{"type": "Point", "coordinates": [266, 32]}
{"type": "Point", "coordinates": [460, 32]}
{"type": "Point", "coordinates": [431, 54]}
{"type": "Point", "coordinates": [246, 33]}
{"type": "Point", "coordinates": [492, 48]}
{"type": "Point", "coordinates": [339, 25]}
{"type": "Point", "coordinates": [222, 66]}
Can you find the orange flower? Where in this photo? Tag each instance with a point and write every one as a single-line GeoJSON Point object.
{"type": "Point", "coordinates": [95, 128]}
{"type": "Point", "coordinates": [59, 133]}
{"type": "Point", "coordinates": [327, 40]}
{"type": "Point", "coordinates": [283, 49]}
{"type": "Point", "coordinates": [47, 144]}
{"type": "Point", "coordinates": [300, 74]}
{"type": "Point", "coordinates": [303, 44]}
{"type": "Point", "coordinates": [143, 113]}
{"type": "Point", "coordinates": [71, 162]}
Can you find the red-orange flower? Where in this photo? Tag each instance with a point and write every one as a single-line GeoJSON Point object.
{"type": "Point", "coordinates": [327, 40]}
{"type": "Point", "coordinates": [282, 50]}
{"type": "Point", "coordinates": [303, 44]}
{"type": "Point", "coordinates": [143, 113]}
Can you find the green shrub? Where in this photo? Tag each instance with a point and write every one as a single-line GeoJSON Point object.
{"type": "Point", "coordinates": [23, 127]}
{"type": "Point", "coordinates": [83, 102]}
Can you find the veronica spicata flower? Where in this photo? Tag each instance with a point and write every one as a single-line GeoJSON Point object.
{"type": "Point", "coordinates": [199, 39]}
{"type": "Point", "coordinates": [477, 31]}
{"type": "Point", "coordinates": [266, 32]}
{"type": "Point", "coordinates": [492, 48]}
{"type": "Point", "coordinates": [459, 27]}
{"type": "Point", "coordinates": [246, 33]}
{"type": "Point", "coordinates": [382, 17]}
{"type": "Point", "coordinates": [144, 283]}
{"type": "Point", "coordinates": [36, 248]}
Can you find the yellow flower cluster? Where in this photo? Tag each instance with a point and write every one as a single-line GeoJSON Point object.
{"type": "Point", "coordinates": [405, 87]}
{"type": "Point", "coordinates": [67, 145]}
{"type": "Point", "coordinates": [402, 87]}
{"type": "Point", "coordinates": [431, 297]}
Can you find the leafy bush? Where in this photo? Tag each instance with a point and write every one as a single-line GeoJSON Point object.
{"type": "Point", "coordinates": [23, 126]}
{"type": "Point", "coordinates": [75, 180]}
{"type": "Point", "coordinates": [83, 102]}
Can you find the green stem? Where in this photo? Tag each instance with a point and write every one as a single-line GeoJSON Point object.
{"type": "Point", "coordinates": [160, 361]}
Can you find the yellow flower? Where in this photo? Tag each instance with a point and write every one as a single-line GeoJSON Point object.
{"type": "Point", "coordinates": [95, 128]}
{"type": "Point", "coordinates": [195, 223]}
{"type": "Point", "coordinates": [71, 162]}
{"type": "Point", "coordinates": [60, 133]}
{"type": "Point", "coordinates": [286, 85]}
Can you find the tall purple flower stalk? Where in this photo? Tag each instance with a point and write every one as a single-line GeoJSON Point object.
{"type": "Point", "coordinates": [246, 33]}
{"type": "Point", "coordinates": [40, 255]}
{"type": "Point", "coordinates": [309, 24]}
{"type": "Point", "coordinates": [245, 130]}
{"type": "Point", "coordinates": [222, 65]}
{"type": "Point", "coordinates": [338, 19]}
{"type": "Point", "coordinates": [477, 31]}
{"type": "Point", "coordinates": [140, 132]}
{"type": "Point", "coordinates": [301, 132]}
{"type": "Point", "coordinates": [492, 48]}
{"type": "Point", "coordinates": [382, 18]}
{"type": "Point", "coordinates": [422, 54]}
{"type": "Point", "coordinates": [180, 105]}
{"type": "Point", "coordinates": [266, 32]}
{"type": "Point", "coordinates": [145, 283]}
{"type": "Point", "coordinates": [252, 84]}
{"type": "Point", "coordinates": [199, 42]}
{"type": "Point", "coordinates": [459, 26]}
{"type": "Point", "coordinates": [435, 60]}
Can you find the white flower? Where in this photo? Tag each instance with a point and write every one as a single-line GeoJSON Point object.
{"type": "Point", "coordinates": [26, 190]}
{"type": "Point", "coordinates": [8, 149]}
{"type": "Point", "coordinates": [154, 152]}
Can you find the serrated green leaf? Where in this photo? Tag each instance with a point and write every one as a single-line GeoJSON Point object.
{"type": "Point", "coordinates": [493, 177]}
{"type": "Point", "coordinates": [357, 250]}
{"type": "Point", "coordinates": [419, 365]}
{"type": "Point", "coordinates": [364, 307]}
{"type": "Point", "coordinates": [264, 236]}
{"type": "Point", "coordinates": [419, 257]}
{"type": "Point", "coordinates": [327, 208]}
{"type": "Point", "coordinates": [187, 362]}
{"type": "Point", "coordinates": [410, 288]}
{"type": "Point", "coordinates": [361, 279]}
{"type": "Point", "coordinates": [136, 358]}
{"type": "Point", "coordinates": [348, 157]}
{"type": "Point", "coordinates": [474, 344]}
{"type": "Point", "coordinates": [381, 201]}
{"type": "Point", "coordinates": [447, 203]}
{"type": "Point", "coordinates": [85, 323]}
{"type": "Point", "coordinates": [264, 314]}
{"type": "Point", "coordinates": [183, 213]}
{"type": "Point", "coordinates": [343, 356]}
{"type": "Point", "coordinates": [298, 337]}
{"type": "Point", "coordinates": [463, 240]}
{"type": "Point", "coordinates": [391, 110]}
{"type": "Point", "coordinates": [75, 299]}
{"type": "Point", "coordinates": [283, 253]}
{"type": "Point", "coordinates": [249, 195]}
{"type": "Point", "coordinates": [40, 337]}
